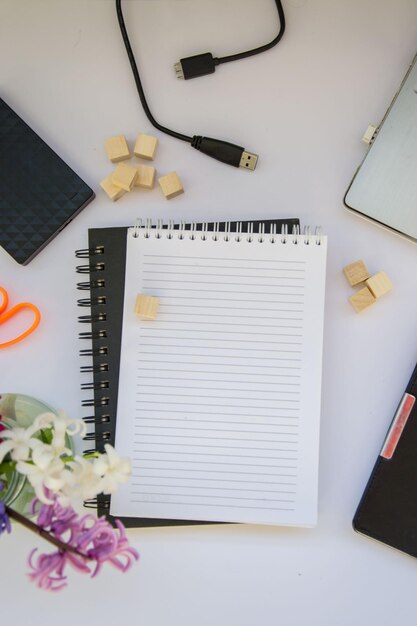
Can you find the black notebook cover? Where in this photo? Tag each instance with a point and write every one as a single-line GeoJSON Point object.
{"type": "Point", "coordinates": [387, 511]}
{"type": "Point", "coordinates": [39, 193]}
{"type": "Point", "coordinates": [105, 277]}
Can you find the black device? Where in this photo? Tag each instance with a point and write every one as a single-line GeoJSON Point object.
{"type": "Point", "coordinates": [39, 193]}
{"type": "Point", "coordinates": [387, 511]}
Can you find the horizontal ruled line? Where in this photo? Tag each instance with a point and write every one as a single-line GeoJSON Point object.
{"type": "Point", "coordinates": [215, 421]}
{"type": "Point", "coordinates": [173, 495]}
{"type": "Point", "coordinates": [224, 267]}
{"type": "Point", "coordinates": [274, 367]}
{"type": "Point", "coordinates": [176, 321]}
{"type": "Point", "coordinates": [209, 437]}
{"type": "Point", "coordinates": [234, 406]}
{"type": "Point", "coordinates": [218, 267]}
{"type": "Point", "coordinates": [218, 373]}
{"type": "Point", "coordinates": [212, 471]}
{"type": "Point", "coordinates": [158, 486]}
{"type": "Point", "coordinates": [211, 312]}
{"type": "Point", "coordinates": [223, 430]}
{"type": "Point", "coordinates": [211, 388]}
{"type": "Point", "coordinates": [228, 332]}
{"type": "Point", "coordinates": [206, 347]}
{"type": "Point", "coordinates": [215, 282]}
{"type": "Point", "coordinates": [159, 460]}
{"type": "Point", "coordinates": [228, 456]}
{"type": "Point", "coordinates": [216, 305]}
{"type": "Point", "coordinates": [213, 380]}
{"type": "Point", "coordinates": [178, 444]}
{"type": "Point", "coordinates": [207, 258]}
{"type": "Point", "coordinates": [224, 283]}
{"type": "Point", "coordinates": [219, 480]}
{"type": "Point", "coordinates": [227, 506]}
{"type": "Point", "coordinates": [142, 351]}
{"type": "Point", "coordinates": [234, 300]}
{"type": "Point", "coordinates": [261, 293]}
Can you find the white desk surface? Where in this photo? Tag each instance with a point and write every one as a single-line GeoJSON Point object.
{"type": "Point", "coordinates": [303, 107]}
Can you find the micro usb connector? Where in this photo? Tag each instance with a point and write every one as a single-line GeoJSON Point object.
{"type": "Point", "coordinates": [193, 67]}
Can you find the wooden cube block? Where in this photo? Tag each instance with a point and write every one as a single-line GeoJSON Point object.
{"type": "Point", "coordinates": [379, 284]}
{"type": "Point", "coordinates": [171, 185]}
{"type": "Point", "coordinates": [111, 190]}
{"type": "Point", "coordinates": [146, 307]}
{"type": "Point", "coordinates": [145, 147]}
{"type": "Point", "coordinates": [117, 148]}
{"type": "Point", "coordinates": [124, 176]}
{"type": "Point", "coordinates": [356, 273]}
{"type": "Point", "coordinates": [362, 299]}
{"type": "Point", "coordinates": [146, 176]}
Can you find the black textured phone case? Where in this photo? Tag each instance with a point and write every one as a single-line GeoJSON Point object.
{"type": "Point", "coordinates": [39, 193]}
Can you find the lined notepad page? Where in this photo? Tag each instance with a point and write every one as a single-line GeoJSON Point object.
{"type": "Point", "coordinates": [219, 397]}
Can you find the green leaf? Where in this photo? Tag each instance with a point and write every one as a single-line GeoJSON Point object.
{"type": "Point", "coordinates": [46, 435]}
{"type": "Point", "coordinates": [7, 467]}
{"type": "Point", "coordinates": [92, 455]}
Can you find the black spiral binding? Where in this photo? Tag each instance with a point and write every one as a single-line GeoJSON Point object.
{"type": "Point", "coordinates": [261, 232]}
{"type": "Point", "coordinates": [98, 369]}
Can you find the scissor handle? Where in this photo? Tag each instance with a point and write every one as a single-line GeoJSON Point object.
{"type": "Point", "coordinates": [5, 302]}
{"type": "Point", "coordinates": [15, 309]}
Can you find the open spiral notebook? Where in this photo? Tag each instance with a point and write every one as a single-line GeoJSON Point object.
{"type": "Point", "coordinates": [219, 397]}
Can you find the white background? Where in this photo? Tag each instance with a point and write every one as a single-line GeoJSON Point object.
{"type": "Point", "coordinates": [303, 107]}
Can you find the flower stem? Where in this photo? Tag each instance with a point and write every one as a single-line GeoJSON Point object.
{"type": "Point", "coordinates": [63, 547]}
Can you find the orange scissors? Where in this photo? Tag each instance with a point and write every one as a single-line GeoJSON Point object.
{"type": "Point", "coordinates": [6, 315]}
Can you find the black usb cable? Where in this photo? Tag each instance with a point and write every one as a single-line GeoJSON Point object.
{"type": "Point", "coordinates": [192, 67]}
{"type": "Point", "coordinates": [203, 64]}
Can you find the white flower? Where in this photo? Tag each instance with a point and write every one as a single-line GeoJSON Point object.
{"type": "Point", "coordinates": [112, 469]}
{"type": "Point", "coordinates": [44, 420]}
{"type": "Point", "coordinates": [81, 480]}
{"type": "Point", "coordinates": [19, 442]}
{"type": "Point", "coordinates": [61, 427]}
{"type": "Point", "coordinates": [45, 472]}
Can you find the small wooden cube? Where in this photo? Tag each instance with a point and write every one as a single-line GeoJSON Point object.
{"type": "Point", "coordinates": [117, 148]}
{"type": "Point", "coordinates": [356, 273]}
{"type": "Point", "coordinates": [146, 176]}
{"type": "Point", "coordinates": [379, 284]}
{"type": "Point", "coordinates": [145, 147]}
{"type": "Point", "coordinates": [362, 299]}
{"type": "Point", "coordinates": [146, 307]}
{"type": "Point", "coordinates": [111, 190]}
{"type": "Point", "coordinates": [171, 185]}
{"type": "Point", "coordinates": [124, 176]}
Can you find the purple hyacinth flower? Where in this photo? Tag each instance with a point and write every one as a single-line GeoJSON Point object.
{"type": "Point", "coordinates": [4, 519]}
{"type": "Point", "coordinates": [48, 569]}
{"type": "Point", "coordinates": [92, 537]}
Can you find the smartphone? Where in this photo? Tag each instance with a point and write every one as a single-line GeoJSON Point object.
{"type": "Point", "coordinates": [39, 193]}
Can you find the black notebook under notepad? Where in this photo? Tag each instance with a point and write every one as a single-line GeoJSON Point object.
{"type": "Point", "coordinates": [107, 328]}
